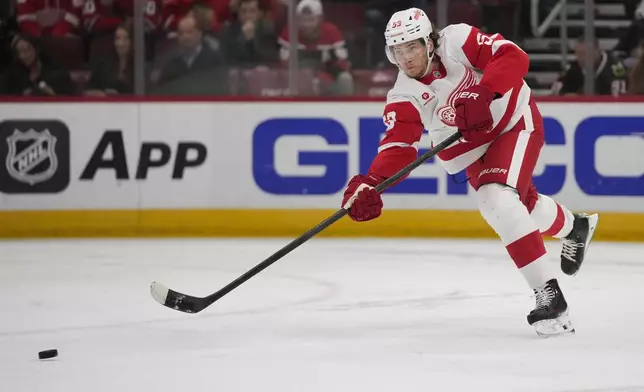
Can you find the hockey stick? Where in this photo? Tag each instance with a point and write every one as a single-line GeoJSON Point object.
{"type": "Point", "coordinates": [189, 304]}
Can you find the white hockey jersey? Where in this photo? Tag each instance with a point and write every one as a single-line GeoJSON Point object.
{"type": "Point", "coordinates": [467, 57]}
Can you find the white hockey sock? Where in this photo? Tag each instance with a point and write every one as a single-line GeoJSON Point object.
{"type": "Point", "coordinates": [552, 218]}
{"type": "Point", "coordinates": [502, 209]}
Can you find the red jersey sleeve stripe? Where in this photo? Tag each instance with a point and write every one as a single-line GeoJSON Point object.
{"type": "Point", "coordinates": [399, 147]}
{"type": "Point", "coordinates": [503, 62]}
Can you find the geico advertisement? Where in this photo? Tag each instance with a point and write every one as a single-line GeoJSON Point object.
{"type": "Point", "coordinates": [286, 155]}
{"type": "Point", "coordinates": [590, 160]}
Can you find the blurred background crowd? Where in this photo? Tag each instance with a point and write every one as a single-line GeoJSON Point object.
{"type": "Point", "coordinates": [292, 47]}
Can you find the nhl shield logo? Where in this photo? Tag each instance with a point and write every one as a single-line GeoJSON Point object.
{"type": "Point", "coordinates": [31, 158]}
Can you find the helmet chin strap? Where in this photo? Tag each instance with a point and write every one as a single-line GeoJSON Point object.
{"type": "Point", "coordinates": [430, 57]}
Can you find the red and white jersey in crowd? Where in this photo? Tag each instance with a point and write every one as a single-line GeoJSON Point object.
{"type": "Point", "coordinates": [174, 10]}
{"type": "Point", "coordinates": [106, 15]}
{"type": "Point", "coordinates": [50, 17]}
{"type": "Point", "coordinates": [467, 57]}
{"type": "Point", "coordinates": [328, 48]}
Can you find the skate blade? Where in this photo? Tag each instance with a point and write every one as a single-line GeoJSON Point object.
{"type": "Point", "coordinates": [555, 327]}
{"type": "Point", "coordinates": [593, 220]}
{"type": "Point", "coordinates": [592, 225]}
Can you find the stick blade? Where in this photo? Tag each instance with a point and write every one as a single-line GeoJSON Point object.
{"type": "Point", "coordinates": [175, 300]}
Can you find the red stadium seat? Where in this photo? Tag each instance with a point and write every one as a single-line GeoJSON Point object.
{"type": "Point", "coordinates": [267, 82]}
{"type": "Point", "coordinates": [374, 83]}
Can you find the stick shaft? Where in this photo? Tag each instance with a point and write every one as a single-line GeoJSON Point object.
{"type": "Point", "coordinates": [328, 222]}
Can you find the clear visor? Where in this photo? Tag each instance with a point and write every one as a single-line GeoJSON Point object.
{"type": "Point", "coordinates": [407, 52]}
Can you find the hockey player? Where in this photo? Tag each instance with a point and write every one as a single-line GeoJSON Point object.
{"type": "Point", "coordinates": [463, 79]}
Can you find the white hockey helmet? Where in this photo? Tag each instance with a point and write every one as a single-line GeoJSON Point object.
{"type": "Point", "coordinates": [406, 26]}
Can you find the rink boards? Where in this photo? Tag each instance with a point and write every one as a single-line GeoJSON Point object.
{"type": "Point", "coordinates": [278, 168]}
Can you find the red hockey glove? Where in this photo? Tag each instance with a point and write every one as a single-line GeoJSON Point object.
{"type": "Point", "coordinates": [362, 199]}
{"type": "Point", "coordinates": [473, 115]}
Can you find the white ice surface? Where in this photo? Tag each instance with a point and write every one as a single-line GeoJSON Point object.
{"type": "Point", "coordinates": [334, 315]}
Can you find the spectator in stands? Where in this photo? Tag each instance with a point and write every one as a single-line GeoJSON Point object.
{"type": "Point", "coordinates": [105, 16]}
{"type": "Point", "coordinates": [611, 76]}
{"type": "Point", "coordinates": [636, 85]}
{"type": "Point", "coordinates": [322, 49]}
{"type": "Point", "coordinates": [114, 75]}
{"type": "Point", "coordinates": [195, 65]}
{"type": "Point", "coordinates": [49, 18]}
{"type": "Point", "coordinates": [270, 9]}
{"type": "Point", "coordinates": [250, 40]}
{"type": "Point", "coordinates": [32, 74]}
{"type": "Point", "coordinates": [206, 18]}
{"type": "Point", "coordinates": [221, 11]}
{"type": "Point", "coordinates": [175, 10]}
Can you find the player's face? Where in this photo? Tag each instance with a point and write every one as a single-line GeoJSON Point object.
{"type": "Point", "coordinates": [412, 58]}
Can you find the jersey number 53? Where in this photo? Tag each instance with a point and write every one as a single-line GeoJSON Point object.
{"type": "Point", "coordinates": [482, 39]}
{"type": "Point", "coordinates": [390, 120]}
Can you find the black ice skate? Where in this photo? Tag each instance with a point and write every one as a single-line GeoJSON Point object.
{"type": "Point", "coordinates": [550, 315]}
{"type": "Point", "coordinates": [575, 245]}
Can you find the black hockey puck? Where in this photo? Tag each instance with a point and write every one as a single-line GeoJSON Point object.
{"type": "Point", "coordinates": [48, 354]}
